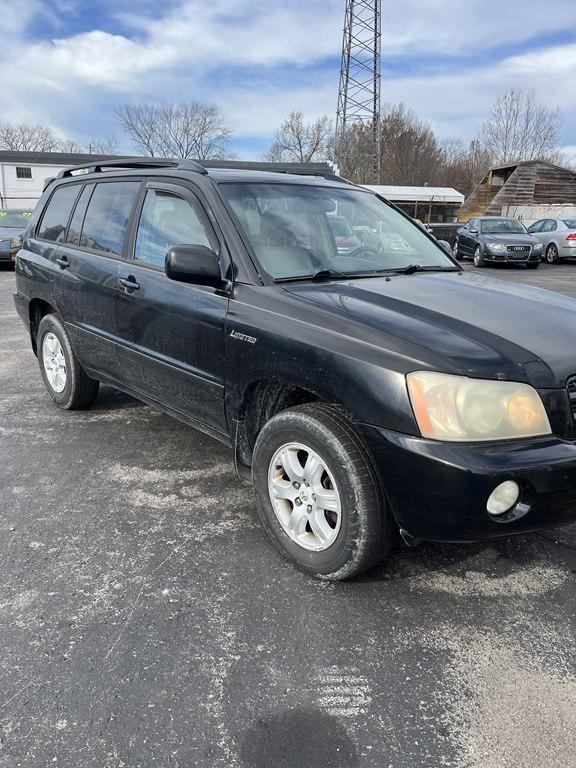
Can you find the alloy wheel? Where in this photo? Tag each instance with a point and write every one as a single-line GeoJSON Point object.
{"type": "Point", "coordinates": [304, 496]}
{"type": "Point", "coordinates": [552, 254]}
{"type": "Point", "coordinates": [54, 362]}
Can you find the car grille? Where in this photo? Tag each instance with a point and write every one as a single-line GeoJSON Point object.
{"type": "Point", "coordinates": [571, 387]}
{"type": "Point", "coordinates": [518, 251]}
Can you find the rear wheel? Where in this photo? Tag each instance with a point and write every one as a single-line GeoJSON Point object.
{"type": "Point", "coordinates": [479, 260]}
{"type": "Point", "coordinates": [63, 376]}
{"type": "Point", "coordinates": [552, 255]}
{"type": "Point", "coordinates": [318, 493]}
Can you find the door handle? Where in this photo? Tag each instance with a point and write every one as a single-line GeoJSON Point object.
{"type": "Point", "coordinates": [129, 283]}
{"type": "Point", "coordinates": [62, 262]}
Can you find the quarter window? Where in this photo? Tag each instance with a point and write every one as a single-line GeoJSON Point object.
{"type": "Point", "coordinates": [106, 219]}
{"type": "Point", "coordinates": [55, 218]}
{"type": "Point", "coordinates": [167, 220]}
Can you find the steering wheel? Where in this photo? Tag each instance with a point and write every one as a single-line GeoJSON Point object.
{"type": "Point", "coordinates": [365, 249]}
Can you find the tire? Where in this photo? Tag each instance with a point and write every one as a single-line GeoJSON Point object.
{"type": "Point", "coordinates": [456, 253]}
{"type": "Point", "coordinates": [552, 255]}
{"type": "Point", "coordinates": [78, 390]}
{"type": "Point", "coordinates": [479, 260]}
{"type": "Point", "coordinates": [362, 532]}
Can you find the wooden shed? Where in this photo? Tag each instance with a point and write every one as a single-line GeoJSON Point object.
{"type": "Point", "coordinates": [522, 190]}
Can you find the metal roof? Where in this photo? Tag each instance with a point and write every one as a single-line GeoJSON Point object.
{"type": "Point", "coordinates": [49, 158]}
{"type": "Point", "coordinates": [417, 194]}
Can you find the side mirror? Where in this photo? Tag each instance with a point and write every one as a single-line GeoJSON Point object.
{"type": "Point", "coordinates": [193, 264]}
{"type": "Point", "coordinates": [445, 245]}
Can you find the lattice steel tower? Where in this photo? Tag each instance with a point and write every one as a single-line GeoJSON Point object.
{"type": "Point", "coordinates": [359, 95]}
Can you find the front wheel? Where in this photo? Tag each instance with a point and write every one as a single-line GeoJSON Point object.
{"type": "Point", "coordinates": [64, 378]}
{"type": "Point", "coordinates": [479, 260]}
{"type": "Point", "coordinates": [318, 493]}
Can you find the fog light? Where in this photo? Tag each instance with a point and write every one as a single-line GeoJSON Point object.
{"type": "Point", "coordinates": [503, 498]}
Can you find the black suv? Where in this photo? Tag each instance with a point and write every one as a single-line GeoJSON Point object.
{"type": "Point", "coordinates": [370, 389]}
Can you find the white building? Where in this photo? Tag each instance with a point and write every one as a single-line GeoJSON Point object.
{"type": "Point", "coordinates": [23, 174]}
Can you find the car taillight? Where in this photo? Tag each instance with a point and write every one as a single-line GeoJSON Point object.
{"type": "Point", "coordinates": [572, 236]}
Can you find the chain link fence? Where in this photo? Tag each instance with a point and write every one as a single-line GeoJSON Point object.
{"type": "Point", "coordinates": [444, 232]}
{"type": "Point", "coordinates": [430, 211]}
{"type": "Point", "coordinates": [17, 203]}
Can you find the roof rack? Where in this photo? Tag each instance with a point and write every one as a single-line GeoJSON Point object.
{"type": "Point", "coordinates": [133, 162]}
{"type": "Point", "coordinates": [329, 177]}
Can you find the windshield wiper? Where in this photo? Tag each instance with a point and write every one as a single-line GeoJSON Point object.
{"type": "Point", "coordinates": [333, 274]}
{"type": "Point", "coordinates": [412, 268]}
{"type": "Point", "coordinates": [323, 274]}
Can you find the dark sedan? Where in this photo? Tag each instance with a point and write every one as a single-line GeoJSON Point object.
{"type": "Point", "coordinates": [494, 239]}
{"type": "Point", "coordinates": [12, 226]}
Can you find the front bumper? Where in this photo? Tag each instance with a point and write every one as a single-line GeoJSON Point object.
{"type": "Point", "coordinates": [512, 257]}
{"type": "Point", "coordinates": [7, 255]}
{"type": "Point", "coordinates": [438, 491]}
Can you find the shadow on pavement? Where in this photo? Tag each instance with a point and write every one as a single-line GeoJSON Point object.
{"type": "Point", "coordinates": [298, 738]}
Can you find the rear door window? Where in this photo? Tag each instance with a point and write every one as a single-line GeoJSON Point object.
{"type": "Point", "coordinates": [53, 224]}
{"type": "Point", "coordinates": [106, 219]}
{"type": "Point", "coordinates": [75, 229]}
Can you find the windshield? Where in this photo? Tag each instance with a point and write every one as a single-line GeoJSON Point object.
{"type": "Point", "coordinates": [503, 227]}
{"type": "Point", "coordinates": [15, 219]}
{"type": "Point", "coordinates": [570, 223]}
{"type": "Point", "coordinates": [290, 228]}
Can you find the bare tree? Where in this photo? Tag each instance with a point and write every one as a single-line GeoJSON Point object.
{"type": "Point", "coordinates": [463, 168]}
{"type": "Point", "coordinates": [410, 151]}
{"type": "Point", "coordinates": [299, 142]}
{"type": "Point", "coordinates": [25, 137]}
{"type": "Point", "coordinates": [521, 129]}
{"type": "Point", "coordinates": [68, 145]}
{"type": "Point", "coordinates": [175, 130]}
{"type": "Point", "coordinates": [106, 146]}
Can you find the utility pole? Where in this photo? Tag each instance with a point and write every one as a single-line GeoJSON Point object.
{"type": "Point", "coordinates": [359, 94]}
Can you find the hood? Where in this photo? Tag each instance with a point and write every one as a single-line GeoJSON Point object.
{"type": "Point", "coordinates": [518, 239]}
{"type": "Point", "coordinates": [489, 328]}
{"type": "Point", "coordinates": [10, 232]}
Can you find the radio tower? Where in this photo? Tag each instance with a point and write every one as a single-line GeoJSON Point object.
{"type": "Point", "coordinates": [359, 95]}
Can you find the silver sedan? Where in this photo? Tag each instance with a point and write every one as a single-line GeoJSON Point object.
{"type": "Point", "coordinates": [558, 237]}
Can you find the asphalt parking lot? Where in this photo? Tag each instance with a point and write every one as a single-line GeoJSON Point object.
{"type": "Point", "coordinates": [146, 621]}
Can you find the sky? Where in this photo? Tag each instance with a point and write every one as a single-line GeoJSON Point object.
{"type": "Point", "coordinates": [70, 63]}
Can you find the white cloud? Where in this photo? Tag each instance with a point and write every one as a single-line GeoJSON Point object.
{"type": "Point", "coordinates": [470, 26]}
{"type": "Point", "coordinates": [230, 52]}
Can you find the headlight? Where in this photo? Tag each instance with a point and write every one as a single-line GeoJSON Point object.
{"type": "Point", "coordinates": [537, 247]}
{"type": "Point", "coordinates": [467, 410]}
{"type": "Point", "coordinates": [16, 242]}
{"type": "Point", "coordinates": [496, 246]}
